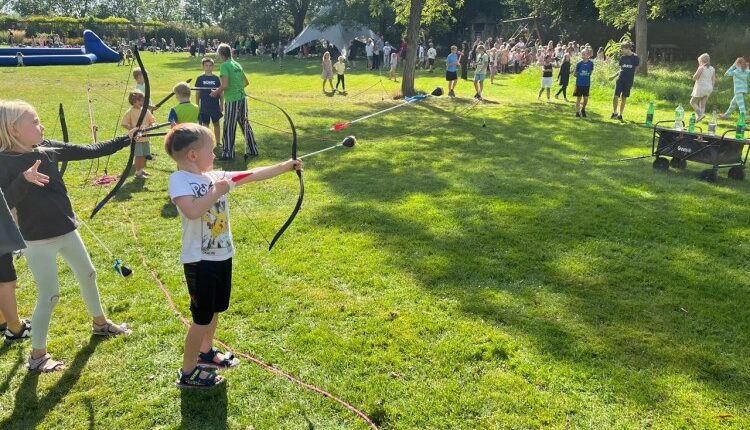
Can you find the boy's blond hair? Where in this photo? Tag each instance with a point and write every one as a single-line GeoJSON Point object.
{"type": "Point", "coordinates": [186, 136]}
{"type": "Point", "coordinates": [11, 112]}
{"type": "Point", "coordinates": [182, 90]}
{"type": "Point", "coordinates": [207, 60]}
{"type": "Point", "coordinates": [137, 72]}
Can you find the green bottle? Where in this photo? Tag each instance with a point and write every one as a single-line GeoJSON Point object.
{"type": "Point", "coordinates": [650, 114]}
{"type": "Point", "coordinates": [740, 135]}
{"type": "Point", "coordinates": [691, 127]}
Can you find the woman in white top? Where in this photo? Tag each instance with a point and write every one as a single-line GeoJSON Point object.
{"type": "Point", "coordinates": [705, 79]}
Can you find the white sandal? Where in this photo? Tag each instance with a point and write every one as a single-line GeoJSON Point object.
{"type": "Point", "coordinates": [105, 329]}
{"type": "Point", "coordinates": [37, 364]}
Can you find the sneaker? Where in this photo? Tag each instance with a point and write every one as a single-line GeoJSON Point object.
{"type": "Point", "coordinates": [451, 94]}
{"type": "Point", "coordinates": [619, 117]}
{"type": "Point", "coordinates": [583, 113]}
{"type": "Point", "coordinates": [578, 114]}
{"type": "Point", "coordinates": [614, 116]}
{"type": "Point", "coordinates": [25, 332]}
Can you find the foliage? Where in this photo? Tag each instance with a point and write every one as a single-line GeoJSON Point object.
{"type": "Point", "coordinates": [612, 49]}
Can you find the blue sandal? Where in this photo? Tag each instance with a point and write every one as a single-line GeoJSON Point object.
{"type": "Point", "coordinates": [193, 379]}
{"type": "Point", "coordinates": [207, 359]}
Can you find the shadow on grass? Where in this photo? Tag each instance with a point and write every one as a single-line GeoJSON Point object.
{"type": "Point", "coordinates": [30, 410]}
{"type": "Point", "coordinates": [615, 271]}
{"type": "Point", "coordinates": [205, 409]}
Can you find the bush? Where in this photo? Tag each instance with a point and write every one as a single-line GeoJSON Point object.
{"type": "Point", "coordinates": [215, 32]}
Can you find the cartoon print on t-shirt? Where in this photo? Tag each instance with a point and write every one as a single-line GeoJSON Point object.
{"type": "Point", "coordinates": [216, 234]}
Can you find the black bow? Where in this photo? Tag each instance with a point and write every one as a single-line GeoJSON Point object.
{"type": "Point", "coordinates": [301, 197]}
{"type": "Point", "coordinates": [64, 128]}
{"type": "Point", "coordinates": [141, 118]}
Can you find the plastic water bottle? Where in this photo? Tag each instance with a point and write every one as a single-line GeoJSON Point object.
{"type": "Point", "coordinates": [713, 124]}
{"type": "Point", "coordinates": [740, 134]}
{"type": "Point", "coordinates": [650, 114]}
{"type": "Point", "coordinates": [679, 115]}
{"type": "Point", "coordinates": [691, 127]}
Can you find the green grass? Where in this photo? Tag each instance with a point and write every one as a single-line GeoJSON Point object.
{"type": "Point", "coordinates": [461, 277]}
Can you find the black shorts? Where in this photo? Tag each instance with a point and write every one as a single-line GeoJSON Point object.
{"type": "Point", "coordinates": [7, 269]}
{"type": "Point", "coordinates": [209, 117]}
{"type": "Point", "coordinates": [581, 91]}
{"type": "Point", "coordinates": [431, 61]}
{"type": "Point", "coordinates": [623, 88]}
{"type": "Point", "coordinates": [210, 286]}
{"type": "Point", "coordinates": [451, 76]}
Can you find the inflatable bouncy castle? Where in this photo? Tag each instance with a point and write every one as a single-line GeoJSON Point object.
{"type": "Point", "coordinates": [94, 50]}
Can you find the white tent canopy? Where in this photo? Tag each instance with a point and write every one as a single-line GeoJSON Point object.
{"type": "Point", "coordinates": [339, 35]}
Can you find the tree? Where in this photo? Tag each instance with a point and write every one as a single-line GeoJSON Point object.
{"type": "Point", "coordinates": [627, 14]}
{"type": "Point", "coordinates": [416, 13]}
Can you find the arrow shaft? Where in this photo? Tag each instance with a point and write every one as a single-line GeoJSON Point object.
{"type": "Point", "coordinates": [320, 151]}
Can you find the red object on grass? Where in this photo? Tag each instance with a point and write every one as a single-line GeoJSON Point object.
{"type": "Point", "coordinates": [340, 126]}
{"type": "Point", "coordinates": [241, 176]}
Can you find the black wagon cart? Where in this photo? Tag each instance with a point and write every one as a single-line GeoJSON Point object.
{"type": "Point", "coordinates": [674, 148]}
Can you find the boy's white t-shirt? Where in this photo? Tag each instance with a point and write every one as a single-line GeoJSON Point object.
{"type": "Point", "coordinates": [210, 236]}
{"type": "Point", "coordinates": [431, 53]}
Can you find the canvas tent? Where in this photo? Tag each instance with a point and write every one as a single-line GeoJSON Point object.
{"type": "Point", "coordinates": [339, 35]}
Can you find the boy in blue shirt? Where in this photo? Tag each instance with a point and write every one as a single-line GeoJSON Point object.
{"type": "Point", "coordinates": [451, 74]}
{"type": "Point", "coordinates": [211, 108]}
{"type": "Point", "coordinates": [625, 78]}
{"type": "Point", "coordinates": [583, 72]}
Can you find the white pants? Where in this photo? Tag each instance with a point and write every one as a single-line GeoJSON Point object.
{"type": "Point", "coordinates": [42, 260]}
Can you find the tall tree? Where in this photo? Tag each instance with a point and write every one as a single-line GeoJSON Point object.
{"type": "Point", "coordinates": [629, 14]}
{"type": "Point", "coordinates": [416, 13]}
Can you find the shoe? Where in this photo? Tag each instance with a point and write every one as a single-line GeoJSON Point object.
{"type": "Point", "coordinates": [150, 157]}
{"type": "Point", "coordinates": [619, 117]}
{"type": "Point", "coordinates": [583, 113]}
{"type": "Point", "coordinates": [723, 116]}
{"type": "Point", "coordinates": [25, 332]}
{"type": "Point", "coordinates": [701, 117]}
{"type": "Point", "coordinates": [451, 94]}
{"type": "Point", "coordinates": [557, 96]}
{"type": "Point", "coordinates": [549, 101]}
{"type": "Point", "coordinates": [614, 116]}
{"type": "Point", "coordinates": [578, 114]}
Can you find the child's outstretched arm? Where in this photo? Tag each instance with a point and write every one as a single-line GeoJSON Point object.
{"type": "Point", "coordinates": [195, 207]}
{"type": "Point", "coordinates": [72, 152]}
{"type": "Point", "coordinates": [731, 70]}
{"type": "Point", "coordinates": [266, 172]}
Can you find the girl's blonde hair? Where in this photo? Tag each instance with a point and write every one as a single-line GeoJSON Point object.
{"type": "Point", "coordinates": [11, 112]}
{"type": "Point", "coordinates": [704, 59]}
{"type": "Point", "coordinates": [341, 58]}
{"type": "Point", "coordinates": [326, 55]}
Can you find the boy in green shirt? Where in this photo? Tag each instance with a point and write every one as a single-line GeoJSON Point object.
{"type": "Point", "coordinates": [185, 111]}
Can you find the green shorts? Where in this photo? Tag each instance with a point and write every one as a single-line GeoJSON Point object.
{"type": "Point", "coordinates": [142, 149]}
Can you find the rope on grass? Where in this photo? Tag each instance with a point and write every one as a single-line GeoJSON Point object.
{"type": "Point", "coordinates": [248, 356]}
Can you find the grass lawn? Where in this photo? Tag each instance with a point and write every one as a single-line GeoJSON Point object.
{"type": "Point", "coordinates": [442, 275]}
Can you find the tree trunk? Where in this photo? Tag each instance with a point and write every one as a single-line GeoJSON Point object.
{"type": "Point", "coordinates": [641, 36]}
{"type": "Point", "coordinates": [412, 38]}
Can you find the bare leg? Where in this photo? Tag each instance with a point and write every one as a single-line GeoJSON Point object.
{"type": "Point", "coordinates": [9, 307]}
{"type": "Point", "coordinates": [193, 341]}
{"type": "Point", "coordinates": [615, 101]}
{"type": "Point", "coordinates": [623, 101]}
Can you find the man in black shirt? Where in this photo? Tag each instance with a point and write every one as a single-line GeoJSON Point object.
{"type": "Point", "coordinates": [625, 78]}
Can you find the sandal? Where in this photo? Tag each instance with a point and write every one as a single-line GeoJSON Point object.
{"type": "Point", "coordinates": [25, 332]}
{"type": "Point", "coordinates": [37, 364]}
{"type": "Point", "coordinates": [106, 329]}
{"type": "Point", "coordinates": [207, 359]}
{"type": "Point", "coordinates": [193, 379]}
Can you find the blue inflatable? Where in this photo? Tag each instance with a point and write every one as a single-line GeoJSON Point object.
{"type": "Point", "coordinates": [94, 50]}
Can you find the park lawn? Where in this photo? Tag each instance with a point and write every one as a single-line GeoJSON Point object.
{"type": "Point", "coordinates": [464, 267]}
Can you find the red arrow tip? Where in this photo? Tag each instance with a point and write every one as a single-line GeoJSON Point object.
{"type": "Point", "coordinates": [340, 126]}
{"type": "Point", "coordinates": [241, 176]}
